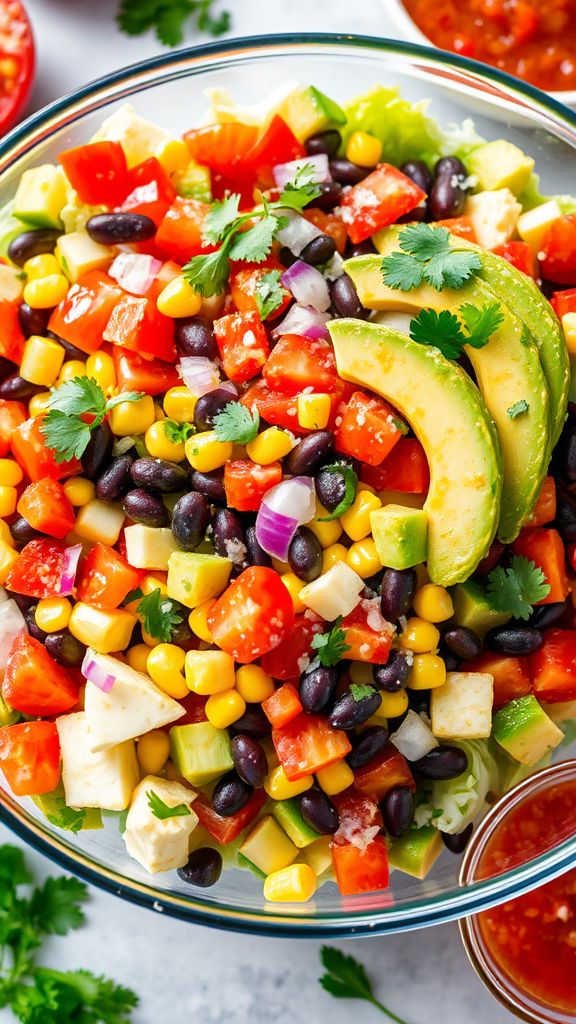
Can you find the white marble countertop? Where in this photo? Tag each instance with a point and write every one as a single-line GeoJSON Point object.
{"type": "Point", "coordinates": [182, 972]}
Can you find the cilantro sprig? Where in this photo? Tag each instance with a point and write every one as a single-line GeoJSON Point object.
{"type": "Point", "coordinates": [346, 978]}
{"type": "Point", "coordinates": [425, 255]}
{"type": "Point", "coordinates": [269, 294]}
{"type": "Point", "coordinates": [518, 587]}
{"type": "Point", "coordinates": [330, 647]}
{"type": "Point", "coordinates": [159, 613]}
{"type": "Point", "coordinates": [167, 18]}
{"type": "Point", "coordinates": [236, 423]}
{"type": "Point", "coordinates": [162, 811]}
{"type": "Point", "coordinates": [350, 485]}
{"type": "Point", "coordinates": [177, 433]}
{"type": "Point", "coordinates": [360, 691]}
{"type": "Point", "coordinates": [66, 433]}
{"type": "Point", "coordinates": [450, 333]}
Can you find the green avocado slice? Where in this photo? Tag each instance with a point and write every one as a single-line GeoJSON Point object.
{"type": "Point", "coordinates": [446, 412]}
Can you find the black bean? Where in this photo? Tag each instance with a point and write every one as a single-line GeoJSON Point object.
{"type": "Point", "coordinates": [203, 868]}
{"type": "Point", "coordinates": [398, 589]}
{"type": "Point", "coordinates": [547, 614]}
{"type": "Point", "coordinates": [98, 452]}
{"type": "Point", "coordinates": [514, 640]}
{"type": "Point", "coordinates": [230, 795]}
{"type": "Point", "coordinates": [442, 763]}
{"type": "Point", "coordinates": [190, 519]}
{"type": "Point", "coordinates": [208, 406]}
{"type": "Point", "coordinates": [161, 475]}
{"type": "Point", "coordinates": [72, 352]}
{"type": "Point", "coordinates": [256, 554]}
{"type": "Point", "coordinates": [194, 336]}
{"type": "Point", "coordinates": [210, 484]}
{"type": "Point", "coordinates": [565, 521]}
{"type": "Point", "coordinates": [394, 675]}
{"type": "Point", "coordinates": [120, 228]}
{"type": "Point", "coordinates": [327, 142]}
{"type": "Point", "coordinates": [115, 480]}
{"type": "Point", "coordinates": [33, 321]}
{"type": "Point", "coordinates": [448, 166]}
{"type": "Point", "coordinates": [345, 298]}
{"type": "Point", "coordinates": [418, 172]}
{"type": "Point", "coordinates": [366, 248]}
{"type": "Point", "coordinates": [15, 389]}
{"type": "Point", "coordinates": [22, 532]}
{"type": "Point", "coordinates": [144, 507]}
{"type": "Point", "coordinates": [7, 368]}
{"type": "Point", "coordinates": [30, 620]}
{"type": "Point", "coordinates": [329, 197]}
{"type": "Point", "coordinates": [346, 173]}
{"type": "Point", "coordinates": [317, 688]}
{"type": "Point", "coordinates": [463, 642]}
{"type": "Point", "coordinates": [451, 661]}
{"type": "Point", "coordinates": [319, 250]}
{"type": "Point", "coordinates": [419, 213]}
{"type": "Point", "coordinates": [457, 843]}
{"type": "Point", "coordinates": [286, 256]}
{"type": "Point", "coordinates": [65, 649]}
{"type": "Point", "coordinates": [490, 561]}
{"type": "Point", "coordinates": [22, 600]}
{"type": "Point", "coordinates": [228, 535]}
{"type": "Point", "coordinates": [305, 555]}
{"type": "Point", "coordinates": [349, 712]}
{"type": "Point", "coordinates": [249, 760]}
{"type": "Point", "coordinates": [367, 745]}
{"type": "Point", "coordinates": [253, 723]}
{"type": "Point", "coordinates": [330, 488]}
{"type": "Point", "coordinates": [446, 199]}
{"type": "Point", "coordinates": [32, 243]}
{"type": "Point", "coordinates": [568, 457]}
{"type": "Point", "coordinates": [319, 812]}
{"type": "Point", "coordinates": [310, 453]}
{"type": "Point", "coordinates": [398, 810]}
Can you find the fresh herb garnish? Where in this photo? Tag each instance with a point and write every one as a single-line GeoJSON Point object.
{"type": "Point", "coordinates": [69, 818]}
{"type": "Point", "coordinates": [269, 294]}
{"type": "Point", "coordinates": [167, 18]}
{"type": "Point", "coordinates": [236, 423]}
{"type": "Point", "coordinates": [518, 408]}
{"type": "Point", "coordinates": [445, 332]}
{"type": "Point", "coordinates": [518, 587]}
{"type": "Point", "coordinates": [159, 615]}
{"type": "Point", "coordinates": [360, 691]}
{"type": "Point", "coordinates": [350, 484]}
{"type": "Point", "coordinates": [177, 433]}
{"type": "Point", "coordinates": [65, 431]}
{"type": "Point", "coordinates": [330, 647]}
{"type": "Point", "coordinates": [162, 811]}
{"type": "Point", "coordinates": [426, 256]}
{"type": "Point", "coordinates": [346, 978]}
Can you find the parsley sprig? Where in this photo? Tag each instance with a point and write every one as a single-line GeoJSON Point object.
{"type": "Point", "coordinates": [269, 294]}
{"type": "Point", "coordinates": [518, 587]}
{"type": "Point", "coordinates": [66, 433]}
{"type": "Point", "coordinates": [159, 614]}
{"type": "Point", "coordinates": [346, 978]}
{"type": "Point", "coordinates": [236, 423]}
{"type": "Point", "coordinates": [167, 18]}
{"type": "Point", "coordinates": [162, 810]}
{"type": "Point", "coordinates": [445, 331]}
{"type": "Point", "coordinates": [426, 256]}
{"type": "Point", "coordinates": [330, 647]}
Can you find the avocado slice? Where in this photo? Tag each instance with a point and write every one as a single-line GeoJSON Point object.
{"type": "Point", "coordinates": [447, 414]}
{"type": "Point", "coordinates": [306, 111]}
{"type": "Point", "coordinates": [200, 752]}
{"type": "Point", "coordinates": [507, 369]}
{"type": "Point", "coordinates": [416, 852]}
{"type": "Point", "coordinates": [288, 816]}
{"type": "Point", "coordinates": [268, 847]}
{"type": "Point", "coordinates": [525, 731]}
{"type": "Point", "coordinates": [399, 535]}
{"type": "Point", "coordinates": [473, 609]}
{"type": "Point", "coordinates": [500, 164]}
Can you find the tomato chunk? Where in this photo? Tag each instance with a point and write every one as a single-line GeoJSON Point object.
{"type": "Point", "coordinates": [294, 653]}
{"type": "Point", "coordinates": [105, 578]}
{"type": "Point", "coordinates": [97, 171]}
{"type": "Point", "coordinates": [82, 316]}
{"type": "Point", "coordinates": [297, 363]}
{"type": "Point", "coordinates": [511, 676]}
{"type": "Point", "coordinates": [369, 429]}
{"type": "Point", "coordinates": [276, 145]}
{"type": "Point", "coordinates": [359, 871]}
{"type": "Point", "coordinates": [462, 227]}
{"type": "Point", "coordinates": [553, 667]}
{"type": "Point", "coordinates": [38, 570]}
{"type": "Point", "coordinates": [380, 199]}
{"type": "Point", "coordinates": [546, 549]}
{"type": "Point", "coordinates": [404, 469]}
{"type": "Point", "coordinates": [544, 510]}
{"type": "Point", "coordinates": [282, 706]}
{"type": "Point", "coordinates": [383, 773]}
{"type": "Point", "coordinates": [564, 302]}
{"type": "Point", "coordinates": [330, 224]}
{"type": "Point", "coordinates": [133, 373]}
{"type": "Point", "coordinates": [32, 454]}
{"type": "Point", "coordinates": [246, 483]}
{"type": "Point", "coordinates": [11, 337]}
{"type": "Point", "coordinates": [35, 684]}
{"type": "Point", "coordinates": [558, 251]}
{"type": "Point", "coordinates": [30, 757]}
{"type": "Point", "coordinates": [12, 415]}
{"type": "Point", "coordinates": [253, 614]}
{"type": "Point", "coordinates": [135, 323]}
{"type": "Point", "coordinates": [226, 830]}
{"type": "Point", "coordinates": [309, 743]}
{"type": "Point", "coordinates": [244, 282]}
{"type": "Point", "coordinates": [519, 255]}
{"type": "Point", "coordinates": [45, 506]}
{"type": "Point", "coordinates": [243, 345]}
{"type": "Point", "coordinates": [150, 191]}
{"type": "Point", "coordinates": [180, 233]}
{"type": "Point", "coordinates": [222, 147]}
{"type": "Point", "coordinates": [368, 635]}
{"type": "Point", "coordinates": [273, 407]}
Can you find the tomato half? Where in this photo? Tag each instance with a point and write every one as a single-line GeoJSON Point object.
{"type": "Point", "coordinates": [16, 61]}
{"type": "Point", "coordinates": [253, 614]}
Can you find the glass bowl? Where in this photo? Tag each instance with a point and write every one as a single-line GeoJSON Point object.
{"type": "Point", "coordinates": [169, 89]}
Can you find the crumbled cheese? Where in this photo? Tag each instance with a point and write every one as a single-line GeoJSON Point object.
{"type": "Point", "coordinates": [303, 663]}
{"type": "Point", "coordinates": [403, 623]}
{"type": "Point", "coordinates": [249, 339]}
{"type": "Point", "coordinates": [409, 658]}
{"type": "Point", "coordinates": [236, 551]}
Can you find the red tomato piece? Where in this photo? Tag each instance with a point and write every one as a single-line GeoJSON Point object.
{"type": "Point", "coordinates": [38, 571]}
{"type": "Point", "coordinates": [276, 145]}
{"type": "Point", "coordinates": [35, 684]}
{"type": "Point", "coordinates": [45, 506]}
{"type": "Point", "coordinates": [253, 614]}
{"type": "Point", "coordinates": [180, 234]}
{"type": "Point", "coordinates": [511, 678]}
{"type": "Point", "coordinates": [294, 653]}
{"type": "Point", "coordinates": [82, 316]}
{"type": "Point", "coordinates": [149, 190]}
{"type": "Point", "coordinates": [246, 483]}
{"type": "Point", "coordinates": [330, 224]}
{"type": "Point", "coordinates": [359, 871]}
{"type": "Point", "coordinates": [11, 337]}
{"type": "Point", "coordinates": [546, 549]}
{"type": "Point", "coordinates": [273, 407]}
{"type": "Point", "coordinates": [368, 635]}
{"type": "Point", "coordinates": [383, 773]}
{"type": "Point", "coordinates": [297, 363]}
{"type": "Point", "coordinates": [519, 255]}
{"type": "Point", "coordinates": [244, 281]}
{"type": "Point", "coordinates": [195, 707]}
{"type": "Point", "coordinates": [17, 70]}
{"type": "Point", "coordinates": [404, 469]}
{"type": "Point", "coordinates": [369, 429]}
{"type": "Point", "coordinates": [462, 227]}
{"type": "Point", "coordinates": [553, 667]}
{"type": "Point", "coordinates": [243, 345]}
{"type": "Point", "coordinates": [544, 510]}
{"type": "Point", "coordinates": [222, 147]}
{"type": "Point", "coordinates": [12, 415]}
{"type": "Point", "coordinates": [379, 200]}
{"type": "Point", "coordinates": [134, 373]}
{"type": "Point", "coordinates": [309, 743]}
{"type": "Point", "coordinates": [564, 302]}
{"type": "Point", "coordinates": [282, 706]}
{"type": "Point", "coordinates": [30, 757]}
{"type": "Point", "coordinates": [558, 251]}
{"type": "Point", "coordinates": [226, 830]}
{"type": "Point", "coordinates": [97, 171]}
{"type": "Point", "coordinates": [136, 324]}
{"type": "Point", "coordinates": [105, 578]}
{"type": "Point", "coordinates": [34, 457]}
{"type": "Point", "coordinates": [360, 818]}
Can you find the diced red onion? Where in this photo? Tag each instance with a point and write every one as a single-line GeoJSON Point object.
{"type": "Point", "coordinates": [307, 285]}
{"type": "Point", "coordinates": [227, 385]}
{"type": "Point", "coordinates": [414, 738]}
{"type": "Point", "coordinates": [283, 173]}
{"type": "Point", "coordinates": [199, 374]}
{"type": "Point", "coordinates": [297, 233]}
{"type": "Point", "coordinates": [95, 674]}
{"type": "Point", "coordinates": [303, 320]}
{"type": "Point", "coordinates": [135, 272]}
{"type": "Point", "coordinates": [284, 508]}
{"type": "Point", "coordinates": [70, 560]}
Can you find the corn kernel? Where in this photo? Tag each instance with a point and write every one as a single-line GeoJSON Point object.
{"type": "Point", "coordinates": [428, 672]}
{"type": "Point", "coordinates": [152, 751]}
{"type": "Point", "coordinates": [179, 404]}
{"type": "Point", "coordinates": [44, 265]}
{"type": "Point", "coordinates": [205, 452]}
{"type": "Point", "coordinates": [79, 490]}
{"type": "Point", "coordinates": [100, 521]}
{"type": "Point", "coordinates": [100, 367]}
{"type": "Point", "coordinates": [327, 533]}
{"type": "Point", "coordinates": [39, 404]}
{"type": "Point", "coordinates": [433, 603]}
{"type": "Point", "coordinates": [269, 446]}
{"type": "Point", "coordinates": [137, 657]}
{"type": "Point", "coordinates": [132, 417]}
{"type": "Point", "coordinates": [254, 684]}
{"type": "Point", "coordinates": [10, 473]}
{"type": "Point", "coordinates": [173, 155]}
{"type": "Point", "coordinates": [356, 520]}
{"type": "Point", "coordinates": [105, 631]}
{"type": "Point", "coordinates": [7, 558]}
{"type": "Point", "coordinates": [363, 558]}
{"type": "Point", "coordinates": [281, 788]}
{"type": "Point", "coordinates": [393, 705]}
{"type": "Point", "coordinates": [336, 778]}
{"type": "Point", "coordinates": [52, 614]}
{"type": "Point", "coordinates": [73, 368]}
{"type": "Point", "coordinates": [8, 500]}
{"type": "Point", "coordinates": [294, 884]}
{"type": "Point", "coordinates": [209, 672]}
{"type": "Point", "coordinates": [46, 292]}
{"type": "Point", "coordinates": [149, 640]}
{"type": "Point", "coordinates": [165, 667]}
{"type": "Point", "coordinates": [222, 709]}
{"type": "Point", "coordinates": [154, 582]}
{"type": "Point", "coordinates": [41, 360]}
{"type": "Point", "coordinates": [160, 446]}
{"type": "Point", "coordinates": [314, 411]}
{"type": "Point", "coordinates": [363, 149]}
{"type": "Point", "coordinates": [178, 299]}
{"type": "Point", "coordinates": [361, 673]}
{"type": "Point", "coordinates": [333, 554]}
{"type": "Point", "coordinates": [419, 636]}
{"type": "Point", "coordinates": [198, 621]}
{"type": "Point", "coordinates": [5, 534]}
{"type": "Point", "coordinates": [569, 326]}
{"type": "Point", "coordinates": [294, 586]}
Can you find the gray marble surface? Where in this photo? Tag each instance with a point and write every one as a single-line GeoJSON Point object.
{"type": "Point", "coordinates": [183, 973]}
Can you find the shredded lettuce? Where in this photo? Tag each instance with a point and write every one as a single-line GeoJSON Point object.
{"type": "Point", "coordinates": [451, 806]}
{"type": "Point", "coordinates": [532, 196]}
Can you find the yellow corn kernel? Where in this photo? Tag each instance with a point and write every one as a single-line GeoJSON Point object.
{"type": "Point", "coordinates": [137, 657]}
{"type": "Point", "coordinates": [159, 413]}
{"type": "Point", "coordinates": [100, 521]}
{"type": "Point", "coordinates": [179, 404]}
{"type": "Point", "coordinates": [7, 558]}
{"type": "Point", "coordinates": [433, 603]}
{"type": "Point", "coordinates": [79, 490]}
{"type": "Point", "coordinates": [173, 154]}
{"type": "Point", "coordinates": [46, 292]}
{"type": "Point", "coordinates": [132, 417]}
{"type": "Point", "coordinates": [393, 705]}
{"type": "Point", "coordinates": [160, 446]}
{"type": "Point", "coordinates": [178, 298]}
{"type": "Point", "coordinates": [222, 709]}
{"type": "Point", "coordinates": [269, 446]}
{"type": "Point", "coordinates": [165, 667]}
{"type": "Point", "coordinates": [149, 640]}
{"type": "Point", "coordinates": [254, 684]}
{"type": "Point", "coordinates": [363, 149]}
{"type": "Point", "coordinates": [41, 360]}
{"type": "Point", "coordinates": [10, 473]}
{"type": "Point", "coordinates": [361, 673]}
{"type": "Point", "coordinates": [356, 520]}
{"type": "Point", "coordinates": [52, 614]}
{"type": "Point", "coordinates": [569, 326]}
{"type": "Point", "coordinates": [100, 367]}
{"type": "Point", "coordinates": [8, 499]}
{"type": "Point", "coordinates": [5, 534]}
{"type": "Point", "coordinates": [363, 558]}
{"type": "Point", "coordinates": [73, 368]}
{"type": "Point", "coordinates": [314, 410]}
{"type": "Point", "coordinates": [281, 788]}
{"type": "Point", "coordinates": [327, 533]}
{"type": "Point", "coordinates": [294, 586]}
{"type": "Point", "coordinates": [105, 631]}
{"type": "Point", "coordinates": [198, 621]}
{"type": "Point", "coordinates": [419, 636]}
{"type": "Point", "coordinates": [333, 554]}
{"type": "Point", "coordinates": [41, 266]}
{"type": "Point", "coordinates": [152, 751]}
{"type": "Point", "coordinates": [294, 884]}
{"type": "Point", "coordinates": [38, 404]}
{"type": "Point", "coordinates": [336, 778]}
{"type": "Point", "coordinates": [205, 452]}
{"type": "Point", "coordinates": [428, 672]}
{"type": "Point", "coordinates": [151, 583]}
{"type": "Point", "coordinates": [209, 672]}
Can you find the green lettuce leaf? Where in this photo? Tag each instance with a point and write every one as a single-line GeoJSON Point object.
{"type": "Point", "coordinates": [451, 806]}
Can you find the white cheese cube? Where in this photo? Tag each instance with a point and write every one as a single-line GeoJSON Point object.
{"type": "Point", "coordinates": [494, 216]}
{"type": "Point", "coordinates": [159, 844]}
{"type": "Point", "coordinates": [138, 137]}
{"type": "Point", "coordinates": [12, 624]}
{"type": "Point", "coordinates": [99, 521]}
{"type": "Point", "coordinates": [462, 707]}
{"type": "Point", "coordinates": [78, 254]}
{"type": "Point", "coordinates": [106, 779]}
{"type": "Point", "coordinates": [533, 225]}
{"type": "Point", "coordinates": [148, 547]}
{"type": "Point", "coordinates": [335, 593]}
{"type": "Point", "coordinates": [11, 283]}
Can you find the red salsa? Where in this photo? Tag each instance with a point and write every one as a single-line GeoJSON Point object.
{"type": "Point", "coordinates": [533, 938]}
{"type": "Point", "coordinates": [532, 39]}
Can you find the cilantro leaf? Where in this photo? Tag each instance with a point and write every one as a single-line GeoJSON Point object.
{"type": "Point", "coordinates": [402, 271]}
{"type": "Point", "coordinates": [451, 269]}
{"type": "Point", "coordinates": [221, 216]}
{"type": "Point", "coordinates": [518, 587]}
{"type": "Point", "coordinates": [209, 274]}
{"type": "Point", "coordinates": [67, 436]}
{"type": "Point", "coordinates": [13, 870]}
{"type": "Point", "coordinates": [159, 615]}
{"type": "Point", "coordinates": [56, 907]}
{"type": "Point", "coordinates": [361, 691]}
{"type": "Point", "coordinates": [236, 423]}
{"type": "Point", "coordinates": [346, 978]}
{"type": "Point", "coordinates": [330, 647]}
{"type": "Point", "coordinates": [69, 818]}
{"type": "Point", "coordinates": [442, 330]}
{"type": "Point", "coordinates": [78, 396]}
{"type": "Point", "coordinates": [177, 433]}
{"type": "Point", "coordinates": [162, 811]}
{"type": "Point", "coordinates": [350, 485]}
{"type": "Point", "coordinates": [426, 255]}
{"type": "Point", "coordinates": [167, 18]}
{"type": "Point", "coordinates": [65, 431]}
{"type": "Point", "coordinates": [424, 242]}
{"type": "Point", "coordinates": [518, 408]}
{"type": "Point", "coordinates": [255, 244]}
{"type": "Point", "coordinates": [269, 294]}
{"type": "Point", "coordinates": [302, 190]}
{"type": "Point", "coordinates": [481, 322]}
{"type": "Point", "coordinates": [84, 997]}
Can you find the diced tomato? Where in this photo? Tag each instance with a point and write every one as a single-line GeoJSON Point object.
{"type": "Point", "coordinates": [511, 677]}
{"type": "Point", "coordinates": [546, 549]}
{"type": "Point", "coordinates": [33, 455]}
{"type": "Point", "coordinates": [97, 171]}
{"type": "Point", "coordinates": [524, 22]}
{"type": "Point", "coordinates": [404, 469]}
{"type": "Point", "coordinates": [226, 830]}
{"type": "Point", "coordinates": [553, 667]}
{"type": "Point", "coordinates": [149, 190]}
{"type": "Point", "coordinates": [133, 373]}
{"type": "Point", "coordinates": [558, 251]}
{"type": "Point", "coordinates": [243, 345]}
{"type": "Point", "coordinates": [359, 871]}
{"type": "Point", "coordinates": [564, 302]}
{"type": "Point", "coordinates": [307, 744]}
{"type": "Point", "coordinates": [17, 70]}
{"type": "Point", "coordinates": [105, 578]}
{"type": "Point", "coordinates": [462, 227]}
{"type": "Point", "coordinates": [222, 147]}
{"type": "Point", "coordinates": [35, 684]}
{"type": "Point", "coordinates": [368, 636]}
{"type": "Point", "coordinates": [369, 429]}
{"type": "Point", "coordinates": [329, 224]}
{"type": "Point", "coordinates": [11, 337]}
{"type": "Point", "coordinates": [12, 415]}
{"type": "Point", "coordinates": [82, 316]}
{"type": "Point", "coordinates": [383, 773]}
{"type": "Point", "coordinates": [519, 255]}
{"type": "Point", "coordinates": [297, 363]}
{"type": "Point", "coordinates": [544, 510]}
{"type": "Point", "coordinates": [282, 706]}
{"type": "Point", "coordinates": [180, 234]}
{"type": "Point", "coordinates": [293, 654]}
{"type": "Point", "coordinates": [379, 200]}
{"type": "Point", "coordinates": [253, 615]}
{"type": "Point", "coordinates": [38, 571]}
{"type": "Point", "coordinates": [246, 483]}
{"type": "Point", "coordinates": [276, 145]}
{"type": "Point", "coordinates": [45, 506]}
{"type": "Point", "coordinates": [359, 816]}
{"type": "Point", "coordinates": [135, 323]}
{"type": "Point", "coordinates": [273, 407]}
{"type": "Point", "coordinates": [195, 707]}
{"type": "Point", "coordinates": [244, 281]}
{"type": "Point", "coordinates": [30, 757]}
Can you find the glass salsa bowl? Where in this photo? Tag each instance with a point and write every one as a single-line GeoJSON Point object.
{"type": "Point", "coordinates": [169, 89]}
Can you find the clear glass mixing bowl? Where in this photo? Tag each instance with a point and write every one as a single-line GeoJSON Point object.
{"type": "Point", "coordinates": [169, 89]}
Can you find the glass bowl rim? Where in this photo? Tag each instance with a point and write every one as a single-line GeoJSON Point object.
{"type": "Point", "coordinates": [347, 922]}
